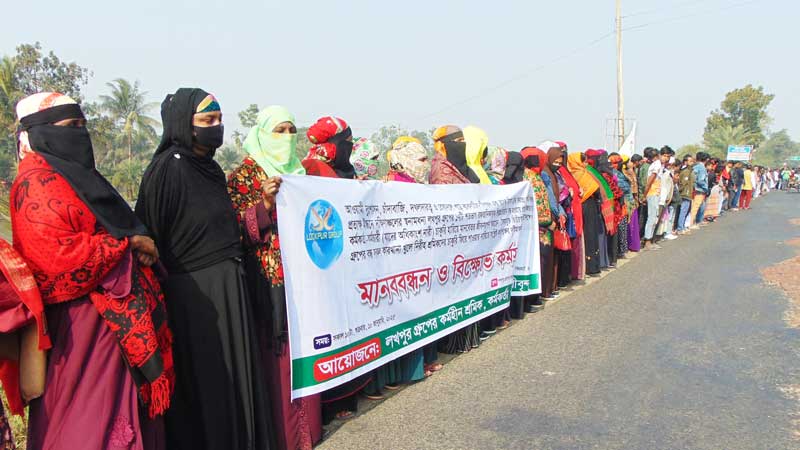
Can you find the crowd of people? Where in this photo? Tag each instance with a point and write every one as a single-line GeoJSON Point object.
{"type": "Point", "coordinates": [164, 326]}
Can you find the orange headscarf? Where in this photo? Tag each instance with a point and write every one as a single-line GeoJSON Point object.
{"type": "Point", "coordinates": [577, 167]}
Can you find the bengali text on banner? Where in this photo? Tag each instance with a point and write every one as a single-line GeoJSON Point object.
{"type": "Point", "coordinates": [376, 270]}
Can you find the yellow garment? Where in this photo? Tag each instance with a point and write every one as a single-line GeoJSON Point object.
{"type": "Point", "coordinates": [748, 180]}
{"type": "Point", "coordinates": [405, 139]}
{"type": "Point", "coordinates": [441, 133]}
{"type": "Point", "coordinates": [577, 167]}
{"type": "Point", "coordinates": [477, 140]}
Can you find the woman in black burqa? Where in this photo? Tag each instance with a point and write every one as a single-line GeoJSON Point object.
{"type": "Point", "coordinates": [220, 401]}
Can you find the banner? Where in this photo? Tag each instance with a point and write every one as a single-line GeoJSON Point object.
{"type": "Point", "coordinates": [739, 152]}
{"type": "Point", "coordinates": [629, 146]}
{"type": "Point", "coordinates": [375, 270]}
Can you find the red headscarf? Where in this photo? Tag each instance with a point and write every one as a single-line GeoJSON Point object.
{"type": "Point", "coordinates": [320, 133]}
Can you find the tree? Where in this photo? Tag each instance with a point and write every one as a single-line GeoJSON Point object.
{"type": "Point", "coordinates": [228, 158]}
{"type": "Point", "coordinates": [776, 150]}
{"type": "Point", "coordinates": [386, 135]}
{"type": "Point", "coordinates": [37, 73]}
{"type": "Point", "coordinates": [128, 108]}
{"type": "Point", "coordinates": [689, 149]}
{"type": "Point", "coordinates": [127, 177]}
{"type": "Point", "coordinates": [249, 117]}
{"type": "Point", "coordinates": [719, 138]}
{"type": "Point", "coordinates": [745, 108]}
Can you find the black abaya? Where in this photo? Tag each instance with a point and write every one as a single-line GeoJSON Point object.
{"type": "Point", "coordinates": [591, 224]}
{"type": "Point", "coordinates": [220, 401]}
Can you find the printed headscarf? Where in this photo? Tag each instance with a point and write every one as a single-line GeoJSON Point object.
{"type": "Point", "coordinates": [476, 140]}
{"type": "Point", "coordinates": [273, 152]}
{"type": "Point", "coordinates": [365, 158]}
{"type": "Point", "coordinates": [410, 158]}
{"type": "Point", "coordinates": [330, 136]}
{"type": "Point", "coordinates": [496, 162]}
{"type": "Point", "coordinates": [69, 151]}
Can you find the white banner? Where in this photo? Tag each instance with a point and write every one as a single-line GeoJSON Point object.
{"type": "Point", "coordinates": [376, 270]}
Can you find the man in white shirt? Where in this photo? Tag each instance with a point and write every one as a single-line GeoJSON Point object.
{"type": "Point", "coordinates": [653, 190]}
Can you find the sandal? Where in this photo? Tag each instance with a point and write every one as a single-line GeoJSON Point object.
{"type": "Point", "coordinates": [392, 387]}
{"type": "Point", "coordinates": [428, 373]}
{"type": "Point", "coordinates": [374, 396]}
{"type": "Point", "coordinates": [434, 367]}
{"type": "Point", "coordinates": [344, 415]}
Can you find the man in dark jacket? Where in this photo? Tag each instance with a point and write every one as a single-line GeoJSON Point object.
{"type": "Point", "coordinates": [686, 189]}
{"type": "Point", "coordinates": [737, 178]}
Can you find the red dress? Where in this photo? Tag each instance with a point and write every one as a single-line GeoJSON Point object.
{"type": "Point", "coordinates": [72, 259]}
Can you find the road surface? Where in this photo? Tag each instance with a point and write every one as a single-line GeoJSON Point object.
{"type": "Point", "coordinates": [682, 348]}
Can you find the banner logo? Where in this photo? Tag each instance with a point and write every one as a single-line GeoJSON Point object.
{"type": "Point", "coordinates": [324, 234]}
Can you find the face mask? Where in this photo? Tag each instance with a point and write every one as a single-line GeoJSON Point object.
{"type": "Point", "coordinates": [209, 137]}
{"type": "Point", "coordinates": [282, 146]}
{"type": "Point", "coordinates": [68, 143]}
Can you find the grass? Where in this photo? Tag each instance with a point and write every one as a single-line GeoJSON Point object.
{"type": "Point", "coordinates": [19, 425]}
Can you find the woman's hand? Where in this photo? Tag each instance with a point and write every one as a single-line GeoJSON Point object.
{"type": "Point", "coordinates": [270, 190]}
{"type": "Point", "coordinates": [145, 249]}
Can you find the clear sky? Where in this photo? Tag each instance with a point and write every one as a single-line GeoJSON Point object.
{"type": "Point", "coordinates": [405, 62]}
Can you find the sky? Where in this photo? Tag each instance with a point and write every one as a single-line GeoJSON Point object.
{"type": "Point", "coordinates": [525, 71]}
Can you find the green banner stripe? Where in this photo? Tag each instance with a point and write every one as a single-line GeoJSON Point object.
{"type": "Point", "coordinates": [303, 368]}
{"type": "Point", "coordinates": [519, 281]}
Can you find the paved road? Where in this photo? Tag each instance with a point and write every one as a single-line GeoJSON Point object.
{"type": "Point", "coordinates": [682, 348]}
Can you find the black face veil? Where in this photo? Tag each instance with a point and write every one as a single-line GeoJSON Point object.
{"type": "Point", "coordinates": [69, 151]}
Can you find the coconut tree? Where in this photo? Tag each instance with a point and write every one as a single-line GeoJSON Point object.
{"type": "Point", "coordinates": [718, 139]}
{"type": "Point", "coordinates": [127, 106]}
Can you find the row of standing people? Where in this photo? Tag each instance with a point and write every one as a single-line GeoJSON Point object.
{"type": "Point", "coordinates": [169, 322]}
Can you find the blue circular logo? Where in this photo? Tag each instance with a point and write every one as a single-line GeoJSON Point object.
{"type": "Point", "coordinates": [324, 234]}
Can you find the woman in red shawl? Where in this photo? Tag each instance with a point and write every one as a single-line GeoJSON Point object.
{"type": "Point", "coordinates": [330, 157]}
{"type": "Point", "coordinates": [577, 263]}
{"type": "Point", "coordinates": [535, 160]}
{"type": "Point", "coordinates": [110, 376]}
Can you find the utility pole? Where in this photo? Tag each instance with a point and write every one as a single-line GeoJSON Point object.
{"type": "Point", "coordinates": [620, 95]}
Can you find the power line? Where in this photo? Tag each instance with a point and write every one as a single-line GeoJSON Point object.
{"type": "Point", "coordinates": [687, 16]}
{"type": "Point", "coordinates": [663, 8]}
{"type": "Point", "coordinates": [581, 49]}
{"type": "Point", "coordinates": [521, 75]}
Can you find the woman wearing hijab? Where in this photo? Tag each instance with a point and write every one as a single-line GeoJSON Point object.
{"type": "Point", "coordinates": [409, 163]}
{"type": "Point", "coordinates": [332, 147]}
{"type": "Point", "coordinates": [598, 160]}
{"type": "Point", "coordinates": [449, 166]}
{"type": "Point", "coordinates": [220, 401]}
{"type": "Point", "coordinates": [634, 242]}
{"type": "Point", "coordinates": [562, 258]}
{"type": "Point", "coordinates": [110, 368]}
{"type": "Point", "coordinates": [627, 197]}
{"type": "Point", "coordinates": [365, 159]}
{"type": "Point", "coordinates": [270, 147]}
{"type": "Point", "coordinates": [577, 262]}
{"type": "Point", "coordinates": [550, 214]}
{"type": "Point", "coordinates": [476, 153]}
{"type": "Point", "coordinates": [590, 203]}
{"type": "Point", "coordinates": [330, 157]}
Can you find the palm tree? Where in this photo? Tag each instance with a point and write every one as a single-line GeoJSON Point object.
{"type": "Point", "coordinates": [718, 139]}
{"type": "Point", "coordinates": [9, 94]}
{"type": "Point", "coordinates": [228, 158]}
{"type": "Point", "coordinates": [128, 108]}
{"type": "Point", "coordinates": [127, 177]}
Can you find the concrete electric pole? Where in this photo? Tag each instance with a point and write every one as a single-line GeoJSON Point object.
{"type": "Point", "coordinates": [620, 95]}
